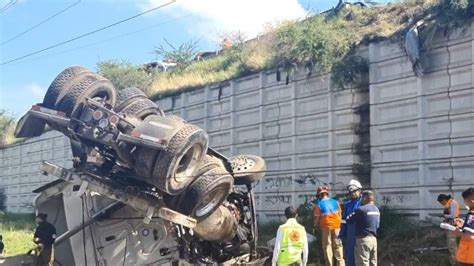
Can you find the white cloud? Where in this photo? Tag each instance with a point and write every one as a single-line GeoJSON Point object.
{"type": "Point", "coordinates": [217, 16]}
{"type": "Point", "coordinates": [36, 90]}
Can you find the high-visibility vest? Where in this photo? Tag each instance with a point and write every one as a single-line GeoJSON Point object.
{"type": "Point", "coordinates": [292, 244]}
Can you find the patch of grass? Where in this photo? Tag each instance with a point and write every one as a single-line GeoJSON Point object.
{"type": "Point", "coordinates": [17, 231]}
{"type": "Point", "coordinates": [7, 130]}
{"type": "Point", "coordinates": [400, 236]}
{"type": "Point", "coordinates": [316, 41]}
{"type": "Point", "coordinates": [224, 67]}
{"type": "Point", "coordinates": [8, 136]}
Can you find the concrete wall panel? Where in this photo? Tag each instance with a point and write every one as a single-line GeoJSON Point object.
{"type": "Point", "coordinates": [304, 129]}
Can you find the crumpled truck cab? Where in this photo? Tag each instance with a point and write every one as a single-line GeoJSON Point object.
{"type": "Point", "coordinates": [145, 187]}
{"type": "Point", "coordinates": [118, 237]}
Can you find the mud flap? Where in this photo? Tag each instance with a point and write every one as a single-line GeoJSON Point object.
{"type": "Point", "coordinates": [29, 126]}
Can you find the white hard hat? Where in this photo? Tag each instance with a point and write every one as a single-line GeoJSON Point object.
{"type": "Point", "coordinates": [354, 185]}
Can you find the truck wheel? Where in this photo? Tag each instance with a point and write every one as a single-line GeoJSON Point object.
{"type": "Point", "coordinates": [126, 96]}
{"type": "Point", "coordinates": [220, 226]}
{"type": "Point", "coordinates": [91, 86]}
{"type": "Point", "coordinates": [60, 85]}
{"type": "Point", "coordinates": [208, 163]}
{"type": "Point", "coordinates": [206, 193]}
{"type": "Point", "coordinates": [247, 169]}
{"type": "Point", "coordinates": [176, 166]}
{"type": "Point", "coordinates": [141, 108]}
{"type": "Point", "coordinates": [145, 161]}
{"type": "Point", "coordinates": [177, 118]}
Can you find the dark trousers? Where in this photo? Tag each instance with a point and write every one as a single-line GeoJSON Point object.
{"type": "Point", "coordinates": [44, 257]}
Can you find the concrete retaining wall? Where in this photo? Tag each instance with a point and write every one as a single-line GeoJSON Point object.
{"type": "Point", "coordinates": [422, 129]}
{"type": "Point", "coordinates": [19, 168]}
{"type": "Point", "coordinates": [305, 130]}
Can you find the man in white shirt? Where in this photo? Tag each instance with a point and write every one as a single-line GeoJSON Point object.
{"type": "Point", "coordinates": [291, 244]}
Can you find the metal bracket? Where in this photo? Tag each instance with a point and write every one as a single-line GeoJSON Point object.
{"type": "Point", "coordinates": [149, 215]}
{"type": "Point", "coordinates": [82, 188]}
{"type": "Point", "coordinates": [89, 181]}
{"type": "Point", "coordinates": [176, 217]}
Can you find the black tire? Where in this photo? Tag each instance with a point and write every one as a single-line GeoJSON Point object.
{"type": "Point", "coordinates": [59, 86]}
{"type": "Point", "coordinates": [141, 108]}
{"type": "Point", "coordinates": [247, 169]}
{"type": "Point", "coordinates": [175, 117]}
{"type": "Point", "coordinates": [145, 159]}
{"type": "Point", "coordinates": [206, 193]}
{"type": "Point", "coordinates": [208, 163]}
{"type": "Point", "coordinates": [91, 86]}
{"type": "Point", "coordinates": [126, 96]}
{"type": "Point", "coordinates": [176, 166]}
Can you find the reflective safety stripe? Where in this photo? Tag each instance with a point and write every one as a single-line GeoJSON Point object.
{"type": "Point", "coordinates": [292, 244]}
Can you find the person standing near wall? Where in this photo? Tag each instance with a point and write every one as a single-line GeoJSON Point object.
{"type": "Point", "coordinates": [291, 243]}
{"type": "Point", "coordinates": [367, 222]}
{"type": "Point", "coordinates": [44, 237]}
{"type": "Point", "coordinates": [328, 217]}
{"type": "Point", "coordinates": [2, 246]}
{"type": "Point", "coordinates": [465, 253]}
{"type": "Point", "coordinates": [450, 213]}
{"type": "Point", "coordinates": [347, 233]}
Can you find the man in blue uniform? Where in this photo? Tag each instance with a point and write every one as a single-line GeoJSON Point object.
{"type": "Point", "coordinates": [347, 233]}
{"type": "Point", "coordinates": [367, 221]}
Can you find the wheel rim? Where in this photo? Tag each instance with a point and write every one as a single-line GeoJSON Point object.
{"type": "Point", "coordinates": [187, 167]}
{"type": "Point", "coordinates": [242, 164]}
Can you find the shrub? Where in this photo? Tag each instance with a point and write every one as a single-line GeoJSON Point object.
{"type": "Point", "coordinates": [316, 41]}
{"type": "Point", "coordinates": [181, 55]}
{"type": "Point", "coordinates": [124, 74]}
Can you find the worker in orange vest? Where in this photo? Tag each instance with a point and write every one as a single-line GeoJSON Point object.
{"type": "Point", "coordinates": [465, 254]}
{"type": "Point", "coordinates": [450, 213]}
{"type": "Point", "coordinates": [328, 218]}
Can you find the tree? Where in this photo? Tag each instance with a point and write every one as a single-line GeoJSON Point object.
{"type": "Point", "coordinates": [124, 74]}
{"type": "Point", "coordinates": [182, 55]}
{"type": "Point", "coordinates": [7, 123]}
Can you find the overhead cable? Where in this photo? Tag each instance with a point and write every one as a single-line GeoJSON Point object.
{"type": "Point", "coordinates": [86, 34]}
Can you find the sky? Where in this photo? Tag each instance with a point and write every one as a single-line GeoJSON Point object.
{"type": "Point", "coordinates": [24, 82]}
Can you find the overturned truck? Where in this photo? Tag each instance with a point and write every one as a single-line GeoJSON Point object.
{"type": "Point", "coordinates": [145, 188]}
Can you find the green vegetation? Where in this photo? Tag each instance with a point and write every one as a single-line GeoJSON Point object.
{"type": "Point", "coordinates": [325, 42]}
{"type": "Point", "coordinates": [17, 231]}
{"type": "Point", "coordinates": [124, 74]}
{"type": "Point", "coordinates": [182, 55]}
{"type": "Point", "coordinates": [399, 236]}
{"type": "Point", "coordinates": [7, 129]}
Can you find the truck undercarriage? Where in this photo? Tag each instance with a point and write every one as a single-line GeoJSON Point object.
{"type": "Point", "coordinates": [145, 188]}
